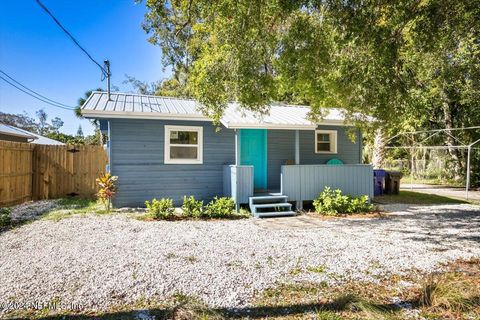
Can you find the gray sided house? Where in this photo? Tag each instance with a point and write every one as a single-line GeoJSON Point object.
{"type": "Point", "coordinates": [164, 147]}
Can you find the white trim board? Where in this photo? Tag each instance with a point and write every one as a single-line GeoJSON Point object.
{"type": "Point", "coordinates": [199, 145]}
{"type": "Point", "coordinates": [333, 141]}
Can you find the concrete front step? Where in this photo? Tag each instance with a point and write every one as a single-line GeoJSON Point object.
{"type": "Point", "coordinates": [276, 203]}
{"type": "Point", "coordinates": [274, 214]}
{"type": "Point", "coordinates": [275, 198]}
{"type": "Point", "coordinates": [273, 205]}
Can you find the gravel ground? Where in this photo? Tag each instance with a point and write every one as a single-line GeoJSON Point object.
{"type": "Point", "coordinates": [100, 261]}
{"type": "Point", "coordinates": [32, 209]}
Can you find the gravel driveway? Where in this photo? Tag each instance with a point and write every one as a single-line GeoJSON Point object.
{"type": "Point", "coordinates": [98, 261]}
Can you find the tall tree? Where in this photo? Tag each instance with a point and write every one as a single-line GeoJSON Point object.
{"type": "Point", "coordinates": [141, 87]}
{"type": "Point", "coordinates": [175, 86]}
{"type": "Point", "coordinates": [22, 121]}
{"type": "Point", "coordinates": [98, 136]}
{"type": "Point", "coordinates": [409, 64]}
{"type": "Point", "coordinates": [353, 54]}
{"type": "Point", "coordinates": [57, 123]}
{"type": "Point", "coordinates": [42, 121]}
{"type": "Point", "coordinates": [79, 131]}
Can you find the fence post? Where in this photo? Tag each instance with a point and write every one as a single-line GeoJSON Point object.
{"type": "Point", "coordinates": [468, 172]}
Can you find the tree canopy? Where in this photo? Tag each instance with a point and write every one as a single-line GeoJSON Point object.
{"type": "Point", "coordinates": [51, 129]}
{"type": "Point", "coordinates": [403, 62]}
{"type": "Point", "coordinates": [412, 64]}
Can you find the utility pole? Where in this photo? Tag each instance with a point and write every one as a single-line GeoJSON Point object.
{"type": "Point", "coordinates": [107, 69]}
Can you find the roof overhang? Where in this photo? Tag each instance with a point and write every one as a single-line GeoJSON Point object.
{"type": "Point", "coordinates": [134, 106]}
{"type": "Point", "coordinates": [142, 115]}
{"type": "Point", "coordinates": [271, 126]}
{"type": "Point", "coordinates": [189, 117]}
{"type": "Point", "coordinates": [280, 126]}
{"type": "Point", "coordinates": [19, 134]}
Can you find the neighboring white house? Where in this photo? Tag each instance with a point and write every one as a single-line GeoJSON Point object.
{"type": "Point", "coordinates": [10, 133]}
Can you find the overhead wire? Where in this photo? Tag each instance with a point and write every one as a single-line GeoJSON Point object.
{"type": "Point", "coordinates": [19, 86]}
{"type": "Point", "coordinates": [14, 83]}
{"type": "Point", "coordinates": [104, 72]}
{"type": "Point", "coordinates": [34, 92]}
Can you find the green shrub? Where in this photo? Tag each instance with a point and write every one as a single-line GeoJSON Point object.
{"type": "Point", "coordinates": [5, 219]}
{"type": "Point", "coordinates": [220, 207]}
{"type": "Point", "coordinates": [332, 202]}
{"type": "Point", "coordinates": [192, 207]}
{"type": "Point", "coordinates": [161, 209]}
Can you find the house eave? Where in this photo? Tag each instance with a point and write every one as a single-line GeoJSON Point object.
{"type": "Point", "coordinates": [19, 135]}
{"type": "Point", "coordinates": [274, 126]}
{"type": "Point", "coordinates": [142, 115]}
{"type": "Point", "coordinates": [191, 117]}
{"type": "Point", "coordinates": [271, 126]}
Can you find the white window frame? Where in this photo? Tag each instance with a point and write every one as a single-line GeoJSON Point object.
{"type": "Point", "coordinates": [333, 141]}
{"type": "Point", "coordinates": [199, 145]}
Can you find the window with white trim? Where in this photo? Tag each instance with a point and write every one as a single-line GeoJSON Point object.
{"type": "Point", "coordinates": [325, 141]}
{"type": "Point", "coordinates": [183, 145]}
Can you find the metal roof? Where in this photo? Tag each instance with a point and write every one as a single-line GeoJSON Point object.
{"type": "Point", "coordinates": [136, 106]}
{"type": "Point", "coordinates": [44, 140]}
{"type": "Point", "coordinates": [36, 138]}
{"type": "Point", "coordinates": [13, 131]}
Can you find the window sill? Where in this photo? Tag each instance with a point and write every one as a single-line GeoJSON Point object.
{"type": "Point", "coordinates": [182, 162]}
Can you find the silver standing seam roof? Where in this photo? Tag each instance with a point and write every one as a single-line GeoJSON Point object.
{"type": "Point", "coordinates": [35, 138]}
{"type": "Point", "coordinates": [137, 106]}
{"type": "Point", "coordinates": [16, 132]}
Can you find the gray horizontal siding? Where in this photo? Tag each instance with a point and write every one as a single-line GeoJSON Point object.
{"type": "Point", "coordinates": [137, 158]}
{"type": "Point", "coordinates": [347, 151]}
{"type": "Point", "coordinates": [238, 182]}
{"type": "Point", "coordinates": [305, 182]}
{"type": "Point", "coordinates": [281, 147]}
{"type": "Point", "coordinates": [137, 151]}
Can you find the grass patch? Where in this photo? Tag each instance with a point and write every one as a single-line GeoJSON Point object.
{"type": "Point", "coordinates": [453, 294]}
{"type": "Point", "coordinates": [327, 315]}
{"type": "Point", "coordinates": [179, 217]}
{"type": "Point", "coordinates": [317, 269]}
{"type": "Point", "coordinates": [433, 181]}
{"type": "Point", "coordinates": [74, 206]}
{"type": "Point", "coordinates": [410, 197]}
{"type": "Point", "coordinates": [179, 306]}
{"type": "Point", "coordinates": [319, 301]}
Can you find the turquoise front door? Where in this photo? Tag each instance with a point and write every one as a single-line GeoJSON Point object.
{"type": "Point", "coordinates": [253, 152]}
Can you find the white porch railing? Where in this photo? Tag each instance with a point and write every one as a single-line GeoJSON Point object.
{"type": "Point", "coordinates": [305, 182]}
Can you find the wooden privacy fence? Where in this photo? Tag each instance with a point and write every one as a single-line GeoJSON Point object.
{"type": "Point", "coordinates": [36, 172]}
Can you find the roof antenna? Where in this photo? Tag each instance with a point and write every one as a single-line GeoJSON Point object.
{"type": "Point", "coordinates": [107, 68]}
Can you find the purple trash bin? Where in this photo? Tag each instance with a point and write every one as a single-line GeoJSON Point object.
{"type": "Point", "coordinates": [378, 181]}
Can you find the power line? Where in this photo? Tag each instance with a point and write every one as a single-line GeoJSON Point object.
{"type": "Point", "coordinates": [34, 92]}
{"type": "Point", "coordinates": [39, 97]}
{"type": "Point", "coordinates": [105, 73]}
{"type": "Point", "coordinates": [24, 91]}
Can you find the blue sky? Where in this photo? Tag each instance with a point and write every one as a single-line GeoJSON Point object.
{"type": "Point", "coordinates": [35, 52]}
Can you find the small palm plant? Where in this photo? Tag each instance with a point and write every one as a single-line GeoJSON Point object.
{"type": "Point", "coordinates": [107, 190]}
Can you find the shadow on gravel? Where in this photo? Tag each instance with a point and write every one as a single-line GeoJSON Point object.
{"type": "Point", "coordinates": [29, 212]}
{"type": "Point", "coordinates": [430, 223]}
{"type": "Point", "coordinates": [184, 312]}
